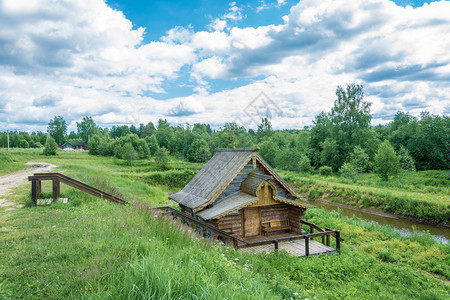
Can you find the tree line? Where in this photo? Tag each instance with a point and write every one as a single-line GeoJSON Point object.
{"type": "Point", "coordinates": [342, 139]}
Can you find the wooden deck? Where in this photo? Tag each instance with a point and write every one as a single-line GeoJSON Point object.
{"type": "Point", "coordinates": [295, 247]}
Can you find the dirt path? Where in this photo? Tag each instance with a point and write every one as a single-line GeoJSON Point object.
{"type": "Point", "coordinates": [12, 180]}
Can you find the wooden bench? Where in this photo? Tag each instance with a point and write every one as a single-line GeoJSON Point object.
{"type": "Point", "coordinates": [275, 225]}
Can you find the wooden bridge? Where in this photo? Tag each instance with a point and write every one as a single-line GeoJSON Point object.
{"type": "Point", "coordinates": [297, 245]}
{"type": "Point", "coordinates": [59, 178]}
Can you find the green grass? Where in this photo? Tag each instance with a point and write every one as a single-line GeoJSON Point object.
{"type": "Point", "coordinates": [92, 249]}
{"type": "Point", "coordinates": [7, 164]}
{"type": "Point", "coordinates": [409, 197]}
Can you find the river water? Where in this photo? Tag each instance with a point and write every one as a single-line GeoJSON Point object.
{"type": "Point", "coordinates": [404, 227]}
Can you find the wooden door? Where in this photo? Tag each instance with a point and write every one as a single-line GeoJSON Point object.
{"type": "Point", "coordinates": [252, 221]}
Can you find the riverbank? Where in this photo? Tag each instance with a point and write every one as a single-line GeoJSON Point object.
{"type": "Point", "coordinates": [403, 200]}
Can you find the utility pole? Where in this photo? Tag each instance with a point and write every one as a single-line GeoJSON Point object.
{"type": "Point", "coordinates": [7, 134]}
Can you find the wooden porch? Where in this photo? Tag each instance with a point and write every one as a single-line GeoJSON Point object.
{"type": "Point", "coordinates": [295, 247]}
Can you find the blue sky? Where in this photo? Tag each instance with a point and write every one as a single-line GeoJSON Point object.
{"type": "Point", "coordinates": [131, 62]}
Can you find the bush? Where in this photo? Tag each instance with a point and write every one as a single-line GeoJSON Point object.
{"type": "Point", "coordinates": [348, 171]}
{"type": "Point", "coordinates": [304, 165]}
{"type": "Point", "coordinates": [325, 171]}
{"type": "Point", "coordinates": [315, 193]}
{"type": "Point", "coordinates": [50, 147]}
{"type": "Point", "coordinates": [23, 144]}
{"type": "Point", "coordinates": [172, 178]}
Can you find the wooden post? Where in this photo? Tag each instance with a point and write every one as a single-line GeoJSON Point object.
{"type": "Point", "coordinates": [34, 192]}
{"type": "Point", "coordinates": [328, 241]}
{"type": "Point", "coordinates": [311, 230]}
{"type": "Point", "coordinates": [235, 244]}
{"type": "Point", "coordinates": [307, 246]}
{"type": "Point", "coordinates": [38, 189]}
{"type": "Point", "coordinates": [338, 240]}
{"type": "Point", "coordinates": [56, 189]}
{"type": "Point", "coordinates": [276, 245]}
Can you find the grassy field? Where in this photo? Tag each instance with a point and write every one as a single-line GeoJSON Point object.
{"type": "Point", "coordinates": [422, 195]}
{"type": "Point", "coordinates": [91, 249]}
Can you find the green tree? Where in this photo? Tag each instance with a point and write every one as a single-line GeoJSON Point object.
{"type": "Point", "coordinates": [288, 159]}
{"type": "Point", "coordinates": [360, 161]}
{"type": "Point", "coordinates": [147, 130]}
{"type": "Point", "coordinates": [87, 129]}
{"type": "Point", "coordinates": [198, 151]}
{"type": "Point", "coordinates": [57, 128]}
{"type": "Point", "coordinates": [304, 165]}
{"type": "Point", "coordinates": [128, 153]}
{"type": "Point", "coordinates": [330, 153]}
{"type": "Point", "coordinates": [94, 145]}
{"type": "Point", "coordinates": [387, 163]}
{"type": "Point", "coordinates": [23, 144]}
{"type": "Point", "coordinates": [50, 147]}
{"type": "Point", "coordinates": [264, 129]}
{"type": "Point", "coordinates": [268, 152]}
{"type": "Point", "coordinates": [152, 143]}
{"type": "Point", "coordinates": [406, 160]}
{"type": "Point", "coordinates": [162, 159]}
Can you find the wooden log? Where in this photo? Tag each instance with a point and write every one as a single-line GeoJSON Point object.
{"type": "Point", "coordinates": [338, 241]}
{"type": "Point", "coordinates": [34, 191]}
{"type": "Point", "coordinates": [307, 246]}
{"type": "Point", "coordinates": [38, 189]}
{"type": "Point", "coordinates": [56, 189]}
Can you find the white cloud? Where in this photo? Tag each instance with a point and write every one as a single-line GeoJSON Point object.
{"type": "Point", "coordinates": [77, 58]}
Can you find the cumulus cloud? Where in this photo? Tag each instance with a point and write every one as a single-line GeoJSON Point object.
{"type": "Point", "coordinates": [186, 107]}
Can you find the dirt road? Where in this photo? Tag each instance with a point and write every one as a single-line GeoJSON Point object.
{"type": "Point", "coordinates": [12, 180]}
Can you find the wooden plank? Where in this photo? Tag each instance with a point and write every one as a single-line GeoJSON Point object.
{"type": "Point", "coordinates": [34, 191]}
{"type": "Point", "coordinates": [56, 189]}
{"type": "Point", "coordinates": [251, 221]}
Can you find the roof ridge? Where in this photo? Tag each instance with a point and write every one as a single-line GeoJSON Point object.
{"type": "Point", "coordinates": [253, 149]}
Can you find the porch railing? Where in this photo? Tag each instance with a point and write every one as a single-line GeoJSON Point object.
{"type": "Point", "coordinates": [239, 243]}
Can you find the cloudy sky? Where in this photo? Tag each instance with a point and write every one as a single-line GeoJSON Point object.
{"type": "Point", "coordinates": [131, 62]}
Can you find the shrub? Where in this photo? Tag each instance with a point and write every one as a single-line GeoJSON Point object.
{"type": "Point", "coordinates": [325, 171]}
{"type": "Point", "coordinates": [23, 144]}
{"type": "Point", "coordinates": [348, 171]}
{"type": "Point", "coordinates": [315, 193]}
{"type": "Point", "coordinates": [304, 165]}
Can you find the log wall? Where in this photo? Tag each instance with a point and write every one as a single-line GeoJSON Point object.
{"type": "Point", "coordinates": [279, 211]}
{"type": "Point", "coordinates": [231, 224]}
{"type": "Point", "coordinates": [295, 215]}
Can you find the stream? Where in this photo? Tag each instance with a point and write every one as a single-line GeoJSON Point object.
{"type": "Point", "coordinates": [404, 227]}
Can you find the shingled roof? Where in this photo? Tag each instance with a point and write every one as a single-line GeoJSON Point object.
{"type": "Point", "coordinates": [218, 173]}
{"type": "Point", "coordinates": [213, 178]}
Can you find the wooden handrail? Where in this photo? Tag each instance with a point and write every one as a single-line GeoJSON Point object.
{"type": "Point", "coordinates": [58, 177]}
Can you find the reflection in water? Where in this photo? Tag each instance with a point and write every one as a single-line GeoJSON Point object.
{"type": "Point", "coordinates": [404, 227]}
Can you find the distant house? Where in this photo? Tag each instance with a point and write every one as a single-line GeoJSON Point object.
{"type": "Point", "coordinates": [239, 193]}
{"type": "Point", "coordinates": [74, 146]}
